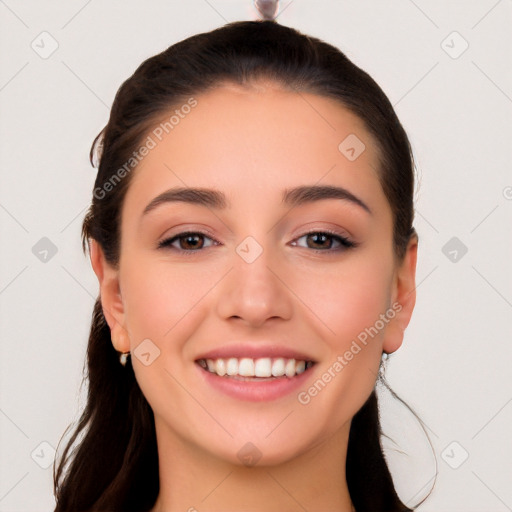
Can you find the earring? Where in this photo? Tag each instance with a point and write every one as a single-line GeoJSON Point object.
{"type": "Point", "coordinates": [123, 357]}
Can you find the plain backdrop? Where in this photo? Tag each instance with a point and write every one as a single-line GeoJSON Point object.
{"type": "Point", "coordinates": [446, 67]}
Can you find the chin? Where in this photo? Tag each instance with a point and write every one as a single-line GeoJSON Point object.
{"type": "Point", "coordinates": [265, 452]}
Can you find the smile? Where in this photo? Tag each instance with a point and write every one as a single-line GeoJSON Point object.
{"type": "Point", "coordinates": [247, 368]}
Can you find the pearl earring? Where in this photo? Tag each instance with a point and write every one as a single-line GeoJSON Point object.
{"type": "Point", "coordinates": [123, 357]}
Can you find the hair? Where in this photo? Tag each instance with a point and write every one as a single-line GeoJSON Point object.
{"type": "Point", "coordinates": [111, 461]}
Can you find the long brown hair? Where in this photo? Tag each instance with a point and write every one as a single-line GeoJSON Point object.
{"type": "Point", "coordinates": [110, 461]}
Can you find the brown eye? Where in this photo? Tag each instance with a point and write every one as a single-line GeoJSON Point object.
{"type": "Point", "coordinates": [189, 242]}
{"type": "Point", "coordinates": [321, 240]}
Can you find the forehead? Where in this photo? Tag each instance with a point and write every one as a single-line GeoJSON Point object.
{"type": "Point", "coordinates": [257, 139]}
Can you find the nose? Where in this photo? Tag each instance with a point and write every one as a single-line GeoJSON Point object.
{"type": "Point", "coordinates": [254, 293]}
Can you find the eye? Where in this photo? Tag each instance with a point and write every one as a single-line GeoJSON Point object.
{"type": "Point", "coordinates": [187, 241]}
{"type": "Point", "coordinates": [324, 240]}
{"type": "Point", "coordinates": [193, 241]}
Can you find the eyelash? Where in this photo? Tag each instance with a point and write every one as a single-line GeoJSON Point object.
{"type": "Point", "coordinates": [345, 242]}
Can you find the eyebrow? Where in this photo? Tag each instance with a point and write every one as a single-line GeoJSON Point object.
{"type": "Point", "coordinates": [215, 199]}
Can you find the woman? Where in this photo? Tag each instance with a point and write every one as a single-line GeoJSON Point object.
{"type": "Point", "coordinates": [251, 231]}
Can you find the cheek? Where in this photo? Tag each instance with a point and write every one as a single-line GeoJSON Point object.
{"type": "Point", "coordinates": [349, 310]}
{"type": "Point", "coordinates": [165, 303]}
{"type": "Point", "coordinates": [163, 299]}
{"type": "Point", "coordinates": [347, 302]}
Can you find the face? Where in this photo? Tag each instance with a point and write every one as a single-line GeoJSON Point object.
{"type": "Point", "coordinates": [271, 278]}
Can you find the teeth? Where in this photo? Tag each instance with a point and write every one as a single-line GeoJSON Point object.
{"type": "Point", "coordinates": [220, 367]}
{"type": "Point", "coordinates": [246, 367]}
{"type": "Point", "coordinates": [262, 367]}
{"type": "Point", "coordinates": [278, 367]}
{"type": "Point", "coordinates": [289, 369]}
{"type": "Point", "coordinates": [232, 366]}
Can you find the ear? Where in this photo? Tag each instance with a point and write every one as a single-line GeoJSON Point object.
{"type": "Point", "coordinates": [403, 298]}
{"type": "Point", "coordinates": [111, 300]}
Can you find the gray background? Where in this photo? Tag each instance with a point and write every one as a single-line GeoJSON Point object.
{"type": "Point", "coordinates": [454, 368]}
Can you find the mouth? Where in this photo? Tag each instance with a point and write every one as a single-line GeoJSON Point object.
{"type": "Point", "coordinates": [260, 369]}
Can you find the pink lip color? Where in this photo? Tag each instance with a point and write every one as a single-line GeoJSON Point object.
{"type": "Point", "coordinates": [254, 351]}
{"type": "Point", "coordinates": [254, 391]}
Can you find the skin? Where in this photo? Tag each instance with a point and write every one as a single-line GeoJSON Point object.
{"type": "Point", "coordinates": [252, 143]}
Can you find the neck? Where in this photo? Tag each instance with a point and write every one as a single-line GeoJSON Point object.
{"type": "Point", "coordinates": [195, 481]}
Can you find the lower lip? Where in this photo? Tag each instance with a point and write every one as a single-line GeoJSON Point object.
{"type": "Point", "coordinates": [255, 391]}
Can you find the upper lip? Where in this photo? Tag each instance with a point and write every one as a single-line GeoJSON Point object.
{"type": "Point", "coordinates": [254, 351]}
